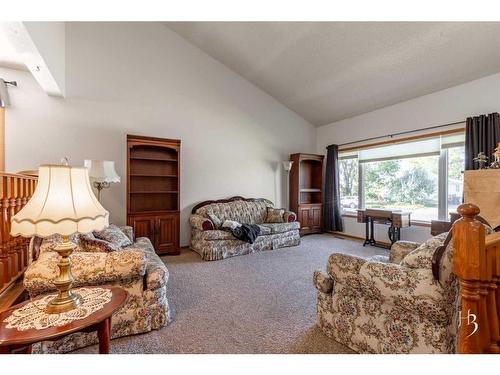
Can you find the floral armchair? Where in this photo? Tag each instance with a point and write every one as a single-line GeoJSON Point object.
{"type": "Point", "coordinates": [390, 304]}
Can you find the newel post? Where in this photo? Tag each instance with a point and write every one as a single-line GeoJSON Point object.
{"type": "Point", "coordinates": [468, 260]}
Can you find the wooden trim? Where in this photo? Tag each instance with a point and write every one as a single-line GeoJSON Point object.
{"type": "Point", "coordinates": [404, 139]}
{"type": "Point", "coordinates": [350, 215]}
{"type": "Point", "coordinates": [2, 139]}
{"type": "Point", "coordinates": [424, 224]}
{"type": "Point", "coordinates": [13, 295]}
{"type": "Point", "coordinates": [131, 137]}
{"type": "Point", "coordinates": [232, 199]}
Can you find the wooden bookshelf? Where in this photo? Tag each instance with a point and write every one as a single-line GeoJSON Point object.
{"type": "Point", "coordinates": [306, 191]}
{"type": "Point", "coordinates": [153, 190]}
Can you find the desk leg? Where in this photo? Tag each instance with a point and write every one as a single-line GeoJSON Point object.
{"type": "Point", "coordinates": [103, 333]}
{"type": "Point", "coordinates": [367, 232]}
{"type": "Point", "coordinates": [372, 232]}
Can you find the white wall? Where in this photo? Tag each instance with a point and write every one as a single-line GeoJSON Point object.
{"type": "Point", "coordinates": [454, 104]}
{"type": "Point", "coordinates": [144, 79]}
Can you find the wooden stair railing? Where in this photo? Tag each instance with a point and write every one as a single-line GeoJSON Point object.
{"type": "Point", "coordinates": [15, 191]}
{"type": "Point", "coordinates": [476, 263]}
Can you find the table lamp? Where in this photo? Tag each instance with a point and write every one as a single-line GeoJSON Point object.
{"type": "Point", "coordinates": [102, 173]}
{"type": "Point", "coordinates": [63, 203]}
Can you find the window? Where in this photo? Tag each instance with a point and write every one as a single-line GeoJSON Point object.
{"type": "Point", "coordinates": [456, 162]}
{"type": "Point", "coordinates": [410, 176]}
{"type": "Point", "coordinates": [348, 172]}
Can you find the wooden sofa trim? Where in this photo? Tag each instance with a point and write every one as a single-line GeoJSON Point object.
{"type": "Point", "coordinates": [227, 200]}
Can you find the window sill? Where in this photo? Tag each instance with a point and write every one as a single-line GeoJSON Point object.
{"type": "Point", "coordinates": [416, 223]}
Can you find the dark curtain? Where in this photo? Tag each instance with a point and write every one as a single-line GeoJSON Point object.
{"type": "Point", "coordinates": [332, 219]}
{"type": "Point", "coordinates": [482, 133]}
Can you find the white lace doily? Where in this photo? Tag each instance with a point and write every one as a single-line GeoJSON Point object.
{"type": "Point", "coordinates": [33, 315]}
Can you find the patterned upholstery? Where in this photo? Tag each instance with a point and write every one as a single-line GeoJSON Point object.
{"type": "Point", "coordinates": [382, 306]}
{"type": "Point", "coordinates": [135, 268]}
{"type": "Point", "coordinates": [240, 211]}
{"type": "Point", "coordinates": [213, 244]}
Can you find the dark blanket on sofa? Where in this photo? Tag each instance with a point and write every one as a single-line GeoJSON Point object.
{"type": "Point", "coordinates": [246, 232]}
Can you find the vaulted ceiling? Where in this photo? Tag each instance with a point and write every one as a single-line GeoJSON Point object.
{"type": "Point", "coordinates": [328, 71]}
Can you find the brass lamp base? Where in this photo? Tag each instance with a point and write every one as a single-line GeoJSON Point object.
{"type": "Point", "coordinates": [65, 300]}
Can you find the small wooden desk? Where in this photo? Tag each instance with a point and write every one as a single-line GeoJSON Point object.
{"type": "Point", "coordinates": [12, 340]}
{"type": "Point", "coordinates": [396, 219]}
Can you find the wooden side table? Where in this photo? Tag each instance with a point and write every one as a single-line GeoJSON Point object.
{"type": "Point", "coordinates": [12, 340]}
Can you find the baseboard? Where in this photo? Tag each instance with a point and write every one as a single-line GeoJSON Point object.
{"type": "Point", "coordinates": [356, 238]}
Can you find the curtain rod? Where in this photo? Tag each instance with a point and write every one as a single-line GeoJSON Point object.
{"type": "Point", "coordinates": [402, 133]}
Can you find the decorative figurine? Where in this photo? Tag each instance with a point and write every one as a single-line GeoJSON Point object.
{"type": "Point", "coordinates": [496, 155]}
{"type": "Point", "coordinates": [481, 159]}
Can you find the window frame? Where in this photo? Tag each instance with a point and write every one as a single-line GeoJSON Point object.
{"type": "Point", "coordinates": [443, 176]}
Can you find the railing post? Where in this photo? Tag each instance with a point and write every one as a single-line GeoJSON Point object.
{"type": "Point", "coordinates": [468, 260]}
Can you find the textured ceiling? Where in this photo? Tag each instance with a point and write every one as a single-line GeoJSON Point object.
{"type": "Point", "coordinates": [328, 71]}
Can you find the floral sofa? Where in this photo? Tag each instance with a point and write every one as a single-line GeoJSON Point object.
{"type": "Point", "coordinates": [136, 268]}
{"type": "Point", "coordinates": [390, 304]}
{"type": "Point", "coordinates": [215, 244]}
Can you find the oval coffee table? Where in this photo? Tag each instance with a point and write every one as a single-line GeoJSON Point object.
{"type": "Point", "coordinates": [12, 340]}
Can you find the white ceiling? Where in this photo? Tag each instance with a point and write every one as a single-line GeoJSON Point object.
{"type": "Point", "coordinates": [9, 57]}
{"type": "Point", "coordinates": [329, 71]}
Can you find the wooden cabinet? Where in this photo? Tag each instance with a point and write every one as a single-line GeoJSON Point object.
{"type": "Point", "coordinates": [162, 230]}
{"type": "Point", "coordinates": [153, 190]}
{"type": "Point", "coordinates": [309, 216]}
{"type": "Point", "coordinates": [306, 191]}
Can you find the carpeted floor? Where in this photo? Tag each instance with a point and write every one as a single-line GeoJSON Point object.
{"type": "Point", "coordinates": [257, 303]}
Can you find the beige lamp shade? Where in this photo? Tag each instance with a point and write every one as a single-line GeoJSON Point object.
{"type": "Point", "coordinates": [102, 170]}
{"type": "Point", "coordinates": [287, 165]}
{"type": "Point", "coordinates": [63, 203]}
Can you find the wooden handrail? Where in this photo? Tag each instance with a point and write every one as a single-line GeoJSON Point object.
{"type": "Point", "coordinates": [15, 191]}
{"type": "Point", "coordinates": [476, 263]}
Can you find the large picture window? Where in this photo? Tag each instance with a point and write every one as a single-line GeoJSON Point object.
{"type": "Point", "coordinates": [423, 176]}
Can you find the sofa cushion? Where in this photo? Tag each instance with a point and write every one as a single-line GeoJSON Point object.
{"type": "Point", "coordinates": [421, 257]}
{"type": "Point", "coordinates": [242, 211]}
{"type": "Point", "coordinates": [264, 230]}
{"type": "Point", "coordinates": [275, 215]}
{"type": "Point", "coordinates": [89, 243]}
{"type": "Point", "coordinates": [114, 235]}
{"type": "Point", "coordinates": [213, 235]}
{"type": "Point", "coordinates": [215, 220]}
{"type": "Point", "coordinates": [87, 269]}
{"type": "Point", "coordinates": [281, 227]}
{"type": "Point", "coordinates": [49, 243]}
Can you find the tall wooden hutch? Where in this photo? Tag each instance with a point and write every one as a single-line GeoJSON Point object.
{"type": "Point", "coordinates": [306, 191]}
{"type": "Point", "coordinates": [153, 190]}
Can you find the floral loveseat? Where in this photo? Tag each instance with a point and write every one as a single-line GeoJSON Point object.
{"type": "Point", "coordinates": [390, 304]}
{"type": "Point", "coordinates": [215, 244]}
{"type": "Point", "coordinates": [135, 268]}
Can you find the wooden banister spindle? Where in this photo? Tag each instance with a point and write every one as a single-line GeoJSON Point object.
{"type": "Point", "coordinates": [493, 316]}
{"type": "Point", "coordinates": [4, 206]}
{"type": "Point", "coordinates": [18, 242]}
{"type": "Point", "coordinates": [3, 260]}
{"type": "Point", "coordinates": [469, 238]}
{"type": "Point", "coordinates": [15, 192]}
{"type": "Point", "coordinates": [11, 212]}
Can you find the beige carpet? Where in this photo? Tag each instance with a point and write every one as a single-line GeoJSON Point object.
{"type": "Point", "coordinates": [257, 303]}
